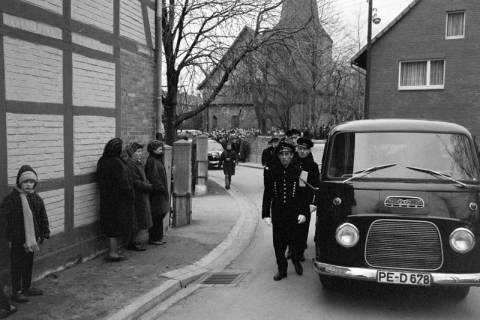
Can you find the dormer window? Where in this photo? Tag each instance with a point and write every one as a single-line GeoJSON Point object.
{"type": "Point", "coordinates": [455, 25]}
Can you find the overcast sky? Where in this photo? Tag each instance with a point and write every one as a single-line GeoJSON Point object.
{"type": "Point", "coordinates": [350, 11]}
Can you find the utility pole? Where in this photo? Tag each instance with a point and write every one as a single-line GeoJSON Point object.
{"type": "Point", "coordinates": [159, 130]}
{"type": "Point", "coordinates": [366, 106]}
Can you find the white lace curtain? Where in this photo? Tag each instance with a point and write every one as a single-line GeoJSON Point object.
{"type": "Point", "coordinates": [455, 24]}
{"type": "Point", "coordinates": [414, 74]}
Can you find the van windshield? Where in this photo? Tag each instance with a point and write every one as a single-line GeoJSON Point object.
{"type": "Point", "coordinates": [450, 154]}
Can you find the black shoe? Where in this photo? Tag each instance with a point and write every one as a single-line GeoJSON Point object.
{"type": "Point", "coordinates": [19, 297]}
{"type": "Point", "coordinates": [33, 292]}
{"type": "Point", "coordinates": [116, 258]}
{"type": "Point", "coordinates": [279, 276]}
{"type": "Point", "coordinates": [298, 267]}
{"type": "Point", "coordinates": [8, 311]}
{"type": "Point", "coordinates": [135, 247]}
{"type": "Point", "coordinates": [157, 242]}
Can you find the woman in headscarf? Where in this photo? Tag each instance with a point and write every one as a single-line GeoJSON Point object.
{"type": "Point", "coordinates": [159, 198]}
{"type": "Point", "coordinates": [142, 202]}
{"type": "Point", "coordinates": [116, 197]}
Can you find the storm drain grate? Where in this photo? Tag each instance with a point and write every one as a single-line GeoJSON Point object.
{"type": "Point", "coordinates": [223, 278]}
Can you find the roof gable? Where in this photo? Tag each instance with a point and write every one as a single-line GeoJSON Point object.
{"type": "Point", "coordinates": [244, 35]}
{"type": "Point", "coordinates": [360, 58]}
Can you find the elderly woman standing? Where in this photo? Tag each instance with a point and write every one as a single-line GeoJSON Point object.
{"type": "Point", "coordinates": [116, 197]}
{"type": "Point", "coordinates": [159, 198]}
{"type": "Point", "coordinates": [142, 202]}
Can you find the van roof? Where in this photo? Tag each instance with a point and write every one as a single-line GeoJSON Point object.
{"type": "Point", "coordinates": [408, 125]}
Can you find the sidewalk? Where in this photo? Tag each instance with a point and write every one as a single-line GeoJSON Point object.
{"type": "Point", "coordinates": [251, 165]}
{"type": "Point", "coordinates": [124, 290]}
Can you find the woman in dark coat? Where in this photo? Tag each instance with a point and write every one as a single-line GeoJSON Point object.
{"type": "Point", "coordinates": [116, 197]}
{"type": "Point", "coordinates": [142, 202]}
{"type": "Point", "coordinates": [159, 198]}
{"type": "Point", "coordinates": [228, 159]}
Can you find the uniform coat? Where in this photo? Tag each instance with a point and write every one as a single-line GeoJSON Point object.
{"type": "Point", "coordinates": [142, 190]}
{"type": "Point", "coordinates": [280, 202]}
{"type": "Point", "coordinates": [117, 196]}
{"type": "Point", "coordinates": [308, 194]}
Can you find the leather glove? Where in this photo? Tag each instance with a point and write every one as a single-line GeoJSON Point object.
{"type": "Point", "coordinates": [301, 218]}
{"type": "Point", "coordinates": [268, 221]}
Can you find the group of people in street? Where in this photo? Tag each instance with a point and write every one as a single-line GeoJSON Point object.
{"type": "Point", "coordinates": [237, 138]}
{"type": "Point", "coordinates": [291, 177]}
{"type": "Point", "coordinates": [134, 196]}
{"type": "Point", "coordinates": [134, 200]}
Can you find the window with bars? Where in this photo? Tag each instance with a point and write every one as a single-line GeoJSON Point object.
{"type": "Point", "coordinates": [455, 25]}
{"type": "Point", "coordinates": [421, 74]}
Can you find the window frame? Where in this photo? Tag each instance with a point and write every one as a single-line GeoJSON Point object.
{"type": "Point", "coordinates": [447, 37]}
{"type": "Point", "coordinates": [428, 86]}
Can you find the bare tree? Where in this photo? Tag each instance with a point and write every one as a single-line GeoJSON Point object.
{"type": "Point", "coordinates": [198, 34]}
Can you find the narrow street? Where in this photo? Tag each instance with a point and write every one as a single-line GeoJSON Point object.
{"type": "Point", "coordinates": [257, 296]}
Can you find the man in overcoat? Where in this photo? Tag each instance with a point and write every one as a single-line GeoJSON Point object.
{"type": "Point", "coordinates": [280, 209]}
{"type": "Point", "coordinates": [269, 157]}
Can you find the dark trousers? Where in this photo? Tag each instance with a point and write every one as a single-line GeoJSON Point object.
{"type": "Point", "coordinates": [286, 234]}
{"type": "Point", "coordinates": [303, 237]}
{"type": "Point", "coordinates": [4, 302]}
{"type": "Point", "coordinates": [21, 268]}
{"type": "Point", "coordinates": [155, 233]}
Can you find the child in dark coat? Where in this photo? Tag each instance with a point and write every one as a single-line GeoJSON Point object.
{"type": "Point", "coordinates": [26, 228]}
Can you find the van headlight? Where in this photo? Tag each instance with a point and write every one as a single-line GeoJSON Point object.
{"type": "Point", "coordinates": [347, 235]}
{"type": "Point", "coordinates": [462, 240]}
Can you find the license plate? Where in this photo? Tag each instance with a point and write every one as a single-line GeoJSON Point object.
{"type": "Point", "coordinates": [410, 278]}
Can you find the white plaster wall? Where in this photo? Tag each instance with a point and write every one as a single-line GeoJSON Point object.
{"type": "Point", "coordinates": [90, 134]}
{"type": "Point", "coordinates": [33, 72]}
{"type": "Point", "coordinates": [86, 204]}
{"type": "Point", "coordinates": [93, 82]}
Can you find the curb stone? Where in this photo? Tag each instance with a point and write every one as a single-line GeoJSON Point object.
{"type": "Point", "coordinates": [236, 241]}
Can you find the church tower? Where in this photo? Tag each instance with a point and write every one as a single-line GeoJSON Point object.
{"type": "Point", "coordinates": [298, 13]}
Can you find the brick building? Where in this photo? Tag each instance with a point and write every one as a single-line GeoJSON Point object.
{"type": "Point", "coordinates": [425, 64]}
{"type": "Point", "coordinates": [73, 74]}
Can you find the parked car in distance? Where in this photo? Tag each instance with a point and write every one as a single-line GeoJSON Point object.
{"type": "Point", "coordinates": [399, 205]}
{"type": "Point", "coordinates": [215, 150]}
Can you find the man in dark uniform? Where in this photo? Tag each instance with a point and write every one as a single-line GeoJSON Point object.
{"type": "Point", "coordinates": [292, 135]}
{"type": "Point", "coordinates": [269, 157]}
{"type": "Point", "coordinates": [280, 209]}
{"type": "Point", "coordinates": [312, 175]}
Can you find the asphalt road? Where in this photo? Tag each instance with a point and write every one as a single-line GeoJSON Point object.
{"type": "Point", "coordinates": [257, 296]}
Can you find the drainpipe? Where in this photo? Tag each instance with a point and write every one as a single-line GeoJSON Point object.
{"type": "Point", "coordinates": [159, 129]}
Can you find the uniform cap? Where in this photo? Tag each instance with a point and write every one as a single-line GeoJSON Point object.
{"type": "Point", "coordinates": [305, 142]}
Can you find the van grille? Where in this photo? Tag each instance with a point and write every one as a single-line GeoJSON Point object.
{"type": "Point", "coordinates": [404, 244]}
